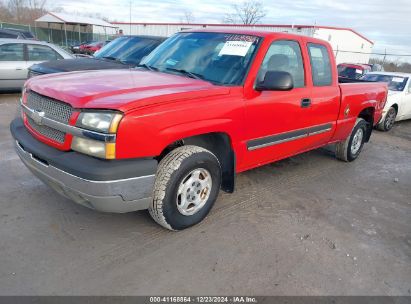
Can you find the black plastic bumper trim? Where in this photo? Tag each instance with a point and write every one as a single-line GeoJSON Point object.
{"type": "Point", "coordinates": [78, 164]}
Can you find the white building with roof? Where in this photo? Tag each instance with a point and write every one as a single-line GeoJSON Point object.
{"type": "Point", "coordinates": [348, 45]}
{"type": "Point", "coordinates": [74, 26]}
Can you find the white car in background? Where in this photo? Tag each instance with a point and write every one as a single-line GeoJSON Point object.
{"type": "Point", "coordinates": [17, 55]}
{"type": "Point", "coordinates": [398, 106]}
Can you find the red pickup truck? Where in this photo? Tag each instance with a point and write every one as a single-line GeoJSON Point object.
{"type": "Point", "coordinates": [202, 107]}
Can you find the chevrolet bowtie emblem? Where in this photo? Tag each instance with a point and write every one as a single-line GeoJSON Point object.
{"type": "Point", "coordinates": [37, 117]}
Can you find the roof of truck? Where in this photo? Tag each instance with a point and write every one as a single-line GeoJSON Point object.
{"type": "Point", "coordinates": [356, 65]}
{"type": "Point", "coordinates": [257, 33]}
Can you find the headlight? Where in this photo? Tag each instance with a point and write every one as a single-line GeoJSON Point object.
{"type": "Point", "coordinates": [94, 148]}
{"type": "Point", "coordinates": [103, 122]}
{"type": "Point", "coordinates": [106, 122]}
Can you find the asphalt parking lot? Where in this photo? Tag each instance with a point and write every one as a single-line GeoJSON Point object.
{"type": "Point", "coordinates": [308, 225]}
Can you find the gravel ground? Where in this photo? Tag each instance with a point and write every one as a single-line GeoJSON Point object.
{"type": "Point", "coordinates": [308, 225]}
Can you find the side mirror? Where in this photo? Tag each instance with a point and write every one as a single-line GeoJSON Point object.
{"type": "Point", "coordinates": [276, 81]}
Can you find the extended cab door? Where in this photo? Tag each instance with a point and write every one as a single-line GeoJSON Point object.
{"type": "Point", "coordinates": [277, 121]}
{"type": "Point", "coordinates": [325, 94]}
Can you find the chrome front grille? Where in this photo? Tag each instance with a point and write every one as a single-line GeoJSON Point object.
{"type": "Point", "coordinates": [46, 131]}
{"type": "Point", "coordinates": [52, 109]}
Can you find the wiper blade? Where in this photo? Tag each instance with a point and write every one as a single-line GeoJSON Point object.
{"type": "Point", "coordinates": [111, 58]}
{"type": "Point", "coordinates": [189, 74]}
{"type": "Point", "coordinates": [148, 67]}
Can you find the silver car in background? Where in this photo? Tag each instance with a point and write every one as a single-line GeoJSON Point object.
{"type": "Point", "coordinates": [17, 55]}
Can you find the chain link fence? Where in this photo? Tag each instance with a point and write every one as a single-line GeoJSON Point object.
{"type": "Point", "coordinates": [57, 36]}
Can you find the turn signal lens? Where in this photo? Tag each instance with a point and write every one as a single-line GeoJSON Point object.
{"type": "Point", "coordinates": [94, 148]}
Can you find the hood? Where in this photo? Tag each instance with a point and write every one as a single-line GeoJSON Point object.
{"type": "Point", "coordinates": [392, 93]}
{"type": "Point", "coordinates": [121, 89]}
{"type": "Point", "coordinates": [79, 64]}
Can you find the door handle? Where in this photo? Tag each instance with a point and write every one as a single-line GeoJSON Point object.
{"type": "Point", "coordinates": [19, 69]}
{"type": "Point", "coordinates": [305, 103]}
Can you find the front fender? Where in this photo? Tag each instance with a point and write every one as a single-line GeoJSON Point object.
{"type": "Point", "coordinates": [148, 131]}
{"type": "Point", "coordinates": [180, 131]}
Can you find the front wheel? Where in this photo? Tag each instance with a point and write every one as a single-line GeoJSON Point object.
{"type": "Point", "coordinates": [187, 184]}
{"type": "Point", "coordinates": [350, 149]}
{"type": "Point", "coordinates": [388, 122]}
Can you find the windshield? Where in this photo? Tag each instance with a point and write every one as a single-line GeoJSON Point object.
{"type": "Point", "coordinates": [395, 83]}
{"type": "Point", "coordinates": [349, 72]}
{"type": "Point", "coordinates": [216, 57]}
{"type": "Point", "coordinates": [127, 49]}
{"type": "Point", "coordinates": [28, 35]}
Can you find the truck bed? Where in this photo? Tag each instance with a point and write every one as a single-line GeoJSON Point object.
{"type": "Point", "coordinates": [356, 94]}
{"type": "Point", "coordinates": [349, 80]}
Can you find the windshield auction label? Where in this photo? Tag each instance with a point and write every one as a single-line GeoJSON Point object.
{"type": "Point", "coordinates": [397, 79]}
{"type": "Point", "coordinates": [235, 48]}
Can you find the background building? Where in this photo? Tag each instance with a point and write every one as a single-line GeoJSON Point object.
{"type": "Point", "coordinates": [65, 29]}
{"type": "Point", "coordinates": [348, 45]}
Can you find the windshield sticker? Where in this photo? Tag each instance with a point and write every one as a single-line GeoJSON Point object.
{"type": "Point", "coordinates": [235, 48]}
{"type": "Point", "coordinates": [237, 37]}
{"type": "Point", "coordinates": [358, 71]}
{"type": "Point", "coordinates": [397, 79]}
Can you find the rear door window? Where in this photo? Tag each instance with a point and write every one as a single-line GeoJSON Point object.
{"type": "Point", "coordinates": [38, 52]}
{"type": "Point", "coordinates": [320, 65]}
{"type": "Point", "coordinates": [11, 52]}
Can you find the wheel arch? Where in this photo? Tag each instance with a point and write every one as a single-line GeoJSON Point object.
{"type": "Point", "coordinates": [368, 115]}
{"type": "Point", "coordinates": [220, 144]}
{"type": "Point", "coordinates": [395, 106]}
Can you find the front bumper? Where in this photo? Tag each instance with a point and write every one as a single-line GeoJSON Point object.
{"type": "Point", "coordinates": [111, 186]}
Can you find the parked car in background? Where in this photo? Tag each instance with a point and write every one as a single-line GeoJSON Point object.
{"type": "Point", "coordinates": [16, 34]}
{"type": "Point", "coordinates": [17, 55]}
{"type": "Point", "coordinates": [122, 53]}
{"type": "Point", "coordinates": [75, 47]}
{"type": "Point", "coordinates": [375, 67]}
{"type": "Point", "coordinates": [203, 106]}
{"type": "Point", "coordinates": [352, 70]}
{"type": "Point", "coordinates": [91, 48]}
{"type": "Point", "coordinates": [398, 106]}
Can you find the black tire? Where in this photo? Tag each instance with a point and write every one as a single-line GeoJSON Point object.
{"type": "Point", "coordinates": [388, 122]}
{"type": "Point", "coordinates": [344, 150]}
{"type": "Point", "coordinates": [172, 171]}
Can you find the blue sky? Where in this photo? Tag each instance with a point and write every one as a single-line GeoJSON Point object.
{"type": "Point", "coordinates": [387, 23]}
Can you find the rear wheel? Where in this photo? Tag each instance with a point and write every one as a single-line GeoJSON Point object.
{"type": "Point", "coordinates": [186, 187]}
{"type": "Point", "coordinates": [388, 121]}
{"type": "Point", "coordinates": [350, 149]}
